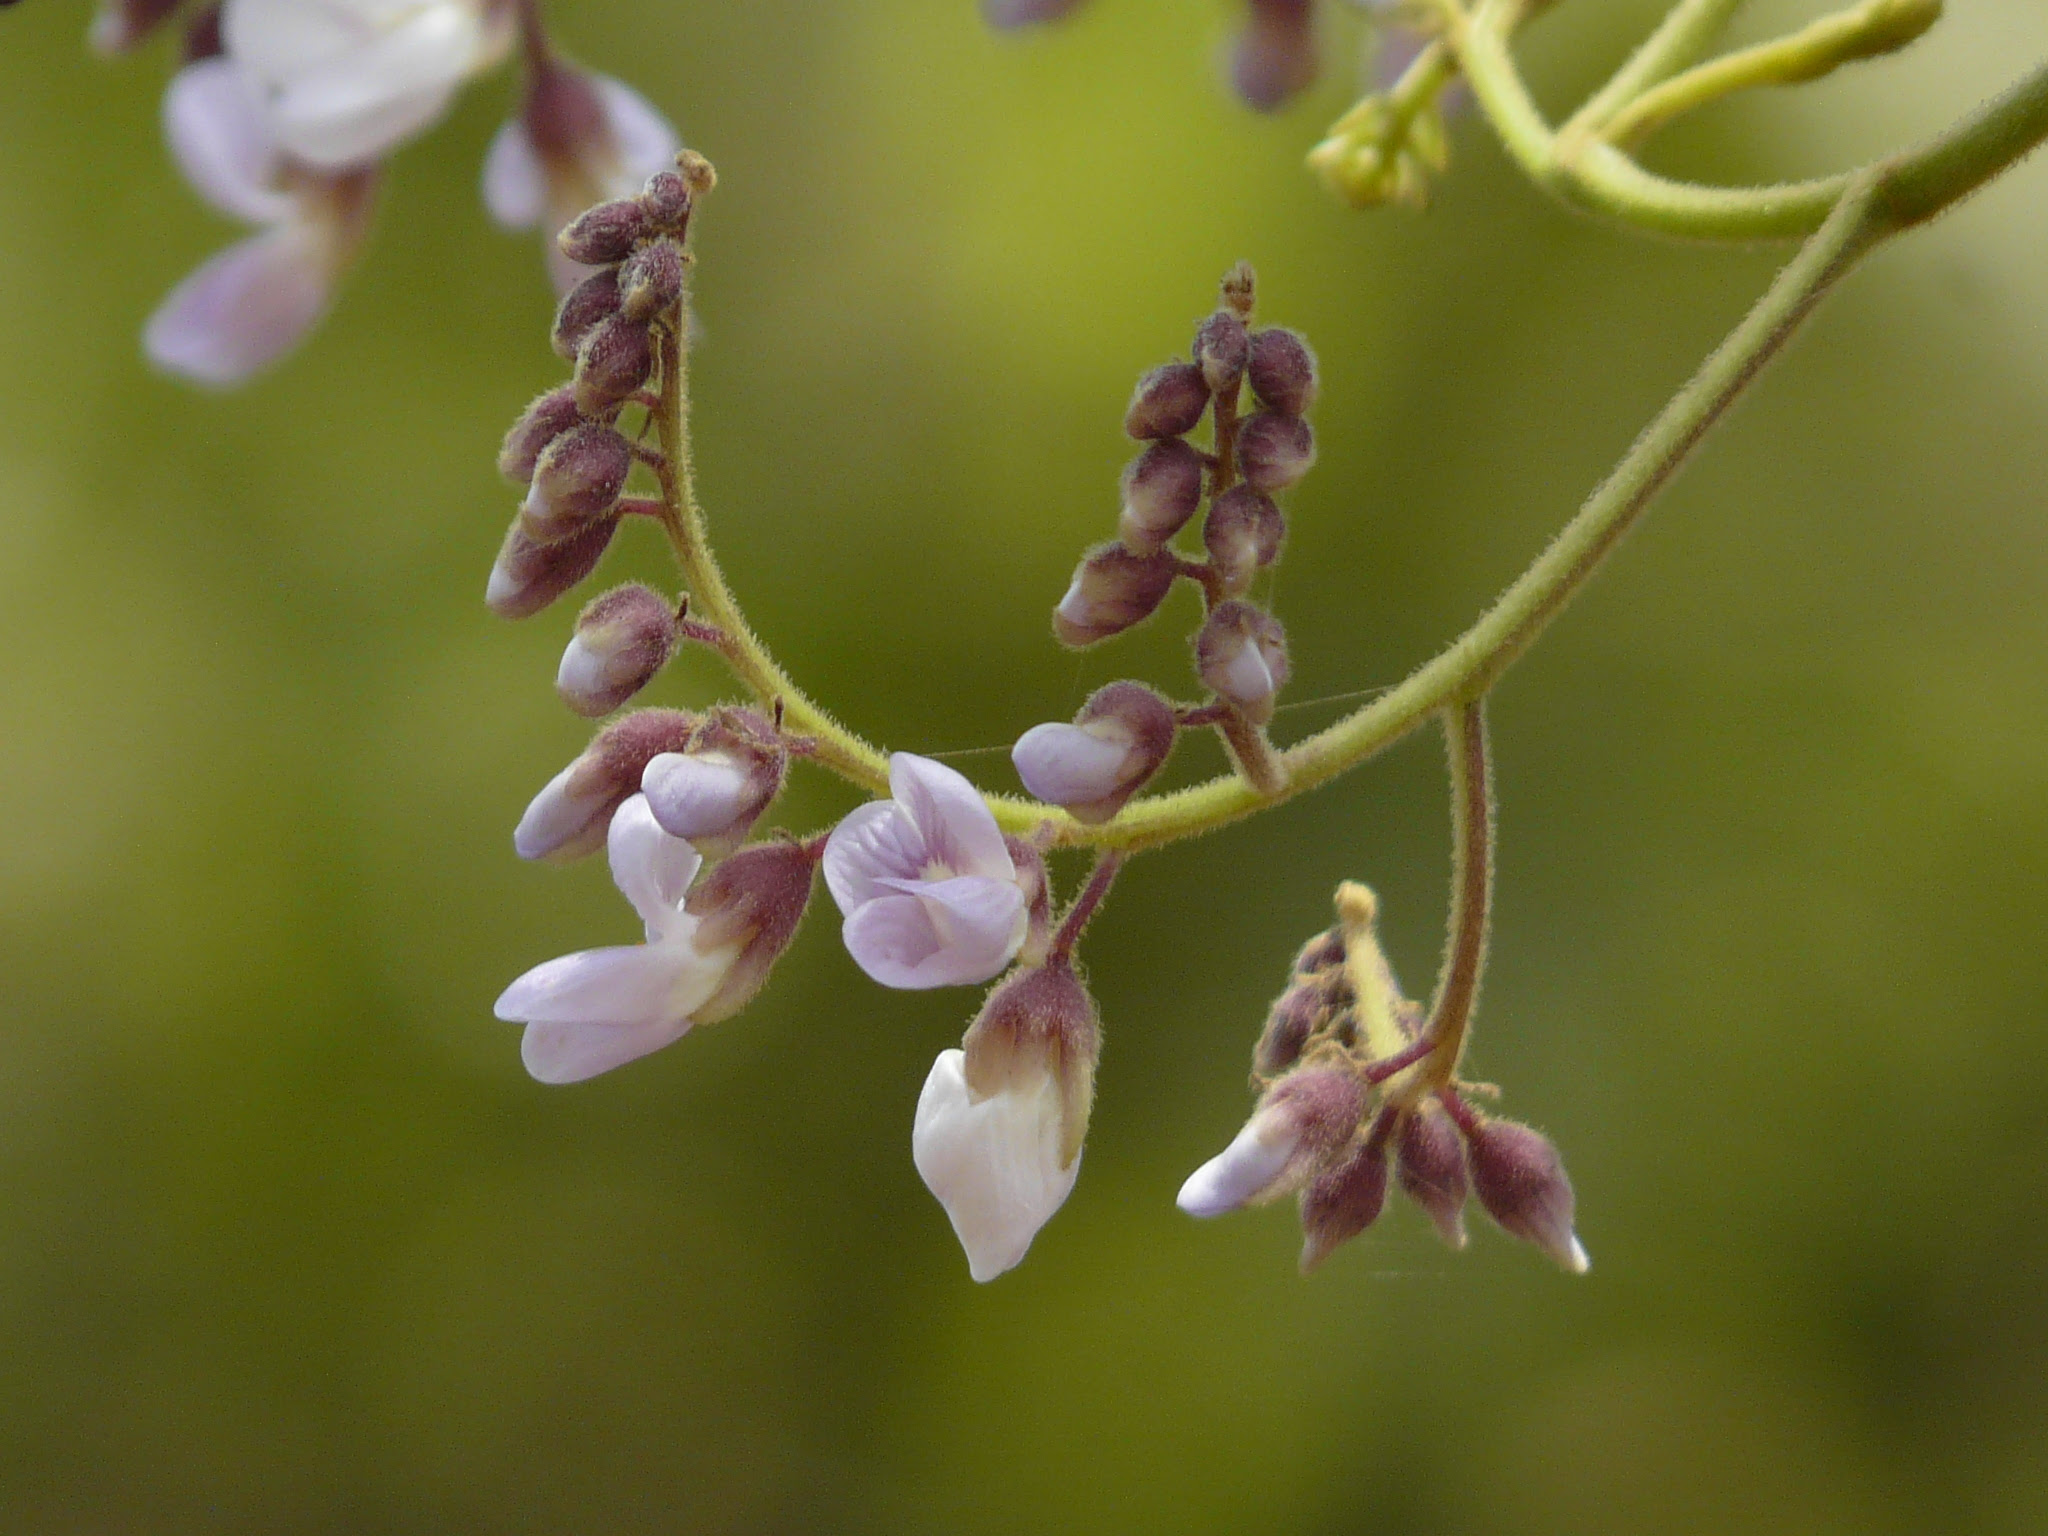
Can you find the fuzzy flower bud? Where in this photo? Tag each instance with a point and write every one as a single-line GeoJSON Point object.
{"type": "Point", "coordinates": [1275, 55]}
{"type": "Point", "coordinates": [1320, 953]}
{"type": "Point", "coordinates": [1344, 1199]}
{"type": "Point", "coordinates": [1118, 741]}
{"type": "Point", "coordinates": [124, 25]}
{"type": "Point", "coordinates": [1430, 1161]}
{"type": "Point", "coordinates": [1297, 1013]}
{"type": "Point", "coordinates": [594, 299]}
{"type": "Point", "coordinates": [1299, 1124]}
{"type": "Point", "coordinates": [1521, 1181]}
{"type": "Point", "coordinates": [529, 575]}
{"type": "Point", "coordinates": [604, 234]}
{"type": "Point", "coordinates": [1275, 451]}
{"type": "Point", "coordinates": [576, 480]}
{"type": "Point", "coordinates": [1243, 533]}
{"type": "Point", "coordinates": [1282, 370]}
{"type": "Point", "coordinates": [1167, 402]}
{"type": "Point", "coordinates": [622, 639]}
{"type": "Point", "coordinates": [667, 198]}
{"type": "Point", "coordinates": [1222, 349]}
{"type": "Point", "coordinates": [615, 358]}
{"type": "Point", "coordinates": [568, 818]}
{"type": "Point", "coordinates": [1241, 653]}
{"type": "Point", "coordinates": [712, 790]}
{"type": "Point", "coordinates": [1000, 1123]}
{"type": "Point", "coordinates": [1004, 15]}
{"type": "Point", "coordinates": [1162, 487]}
{"type": "Point", "coordinates": [651, 280]}
{"type": "Point", "coordinates": [540, 424]}
{"type": "Point", "coordinates": [751, 905]}
{"type": "Point", "coordinates": [1112, 590]}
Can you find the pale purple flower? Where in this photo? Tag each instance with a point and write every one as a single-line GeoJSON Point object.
{"type": "Point", "coordinates": [579, 140]}
{"type": "Point", "coordinates": [993, 1161]}
{"type": "Point", "coordinates": [1304, 1120]}
{"type": "Point", "coordinates": [249, 305]}
{"type": "Point", "coordinates": [930, 893]}
{"type": "Point", "coordinates": [587, 1013]}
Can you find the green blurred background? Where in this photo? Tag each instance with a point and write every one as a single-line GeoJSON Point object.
{"type": "Point", "coordinates": [288, 1241]}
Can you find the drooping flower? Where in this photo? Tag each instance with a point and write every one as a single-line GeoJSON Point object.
{"type": "Point", "coordinates": [346, 81]}
{"type": "Point", "coordinates": [250, 304]}
{"type": "Point", "coordinates": [1302, 1120]}
{"type": "Point", "coordinates": [931, 895]}
{"type": "Point", "coordinates": [579, 140]}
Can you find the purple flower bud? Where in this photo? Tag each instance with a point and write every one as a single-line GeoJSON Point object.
{"type": "Point", "coordinates": [123, 25]}
{"type": "Point", "coordinates": [1344, 1199]}
{"type": "Point", "coordinates": [1112, 590]}
{"type": "Point", "coordinates": [666, 198]}
{"type": "Point", "coordinates": [576, 480]}
{"type": "Point", "coordinates": [529, 575]}
{"type": "Point", "coordinates": [1274, 450]}
{"type": "Point", "coordinates": [1275, 56]}
{"type": "Point", "coordinates": [1320, 953]}
{"type": "Point", "coordinates": [615, 359]}
{"type": "Point", "coordinates": [1037, 1021]}
{"type": "Point", "coordinates": [622, 639]}
{"type": "Point", "coordinates": [1162, 488]}
{"type": "Point", "coordinates": [1430, 1160]}
{"type": "Point", "coordinates": [1243, 534]}
{"type": "Point", "coordinates": [1301, 1122]}
{"type": "Point", "coordinates": [1004, 15]}
{"type": "Point", "coordinates": [1521, 1181]}
{"type": "Point", "coordinates": [1241, 653]}
{"type": "Point", "coordinates": [1121, 737]}
{"type": "Point", "coordinates": [1222, 349]}
{"type": "Point", "coordinates": [1167, 402]}
{"type": "Point", "coordinates": [754, 900]}
{"type": "Point", "coordinates": [1283, 371]}
{"type": "Point", "coordinates": [711, 791]}
{"type": "Point", "coordinates": [604, 234]}
{"type": "Point", "coordinates": [571, 815]}
{"type": "Point", "coordinates": [542, 422]}
{"type": "Point", "coordinates": [594, 299]}
{"type": "Point", "coordinates": [651, 280]}
{"type": "Point", "coordinates": [1296, 1014]}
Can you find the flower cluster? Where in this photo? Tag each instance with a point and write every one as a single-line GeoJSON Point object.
{"type": "Point", "coordinates": [1350, 1087]}
{"type": "Point", "coordinates": [284, 112]}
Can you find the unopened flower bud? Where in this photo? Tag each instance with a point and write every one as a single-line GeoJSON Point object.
{"type": "Point", "coordinates": [1274, 450]}
{"type": "Point", "coordinates": [651, 280]}
{"type": "Point", "coordinates": [529, 575]}
{"type": "Point", "coordinates": [1112, 590]}
{"type": "Point", "coordinates": [1303, 1119]}
{"type": "Point", "coordinates": [542, 422]}
{"type": "Point", "coordinates": [1320, 953]}
{"type": "Point", "coordinates": [1222, 349]}
{"type": "Point", "coordinates": [1167, 402]}
{"type": "Point", "coordinates": [1243, 533]}
{"type": "Point", "coordinates": [615, 359]}
{"type": "Point", "coordinates": [1162, 488]}
{"type": "Point", "coordinates": [576, 479]}
{"type": "Point", "coordinates": [1241, 653]}
{"type": "Point", "coordinates": [666, 198]}
{"type": "Point", "coordinates": [1521, 1181]}
{"type": "Point", "coordinates": [571, 815]}
{"type": "Point", "coordinates": [1275, 56]}
{"type": "Point", "coordinates": [1039, 1021]}
{"type": "Point", "coordinates": [594, 299]}
{"type": "Point", "coordinates": [754, 901]}
{"type": "Point", "coordinates": [1295, 1015]}
{"type": "Point", "coordinates": [1282, 370]}
{"type": "Point", "coordinates": [1344, 1199]}
{"type": "Point", "coordinates": [1006, 14]}
{"type": "Point", "coordinates": [1430, 1160]}
{"type": "Point", "coordinates": [123, 25]}
{"type": "Point", "coordinates": [604, 234]}
{"type": "Point", "coordinates": [622, 639]}
{"type": "Point", "coordinates": [1121, 737]}
{"type": "Point", "coordinates": [712, 790]}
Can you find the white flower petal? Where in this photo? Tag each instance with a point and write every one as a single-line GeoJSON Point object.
{"type": "Point", "coordinates": [559, 817]}
{"type": "Point", "coordinates": [630, 985]}
{"type": "Point", "coordinates": [697, 795]}
{"type": "Point", "coordinates": [245, 308]}
{"type": "Point", "coordinates": [515, 186]}
{"type": "Point", "coordinates": [1241, 1171]}
{"type": "Point", "coordinates": [1067, 765]}
{"type": "Point", "coordinates": [652, 869]}
{"type": "Point", "coordinates": [570, 1053]}
{"type": "Point", "coordinates": [993, 1164]}
{"type": "Point", "coordinates": [877, 841]}
{"type": "Point", "coordinates": [647, 142]}
{"type": "Point", "coordinates": [955, 822]}
{"type": "Point", "coordinates": [223, 143]}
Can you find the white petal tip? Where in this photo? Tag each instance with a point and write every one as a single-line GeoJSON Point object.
{"type": "Point", "coordinates": [1578, 1261]}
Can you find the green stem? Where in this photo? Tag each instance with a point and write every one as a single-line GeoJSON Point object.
{"type": "Point", "coordinates": [1686, 32]}
{"type": "Point", "coordinates": [1472, 863]}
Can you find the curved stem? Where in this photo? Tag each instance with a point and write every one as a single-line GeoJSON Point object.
{"type": "Point", "coordinates": [1686, 32]}
{"type": "Point", "coordinates": [1472, 835]}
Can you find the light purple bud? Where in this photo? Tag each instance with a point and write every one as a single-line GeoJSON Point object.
{"type": "Point", "coordinates": [1162, 488]}
{"type": "Point", "coordinates": [542, 422]}
{"type": "Point", "coordinates": [1112, 590]}
{"type": "Point", "coordinates": [622, 639]}
{"type": "Point", "coordinates": [1300, 1123]}
{"type": "Point", "coordinates": [1283, 371]}
{"type": "Point", "coordinates": [1344, 1199]}
{"type": "Point", "coordinates": [1274, 451]}
{"type": "Point", "coordinates": [1275, 56]}
{"type": "Point", "coordinates": [528, 575]}
{"type": "Point", "coordinates": [651, 280]}
{"type": "Point", "coordinates": [1241, 653]}
{"type": "Point", "coordinates": [1430, 1160]}
{"type": "Point", "coordinates": [616, 357]}
{"type": "Point", "coordinates": [576, 480]}
{"type": "Point", "coordinates": [604, 234]}
{"type": "Point", "coordinates": [1243, 533]}
{"type": "Point", "coordinates": [1005, 15]}
{"type": "Point", "coordinates": [1521, 1181]}
{"type": "Point", "coordinates": [712, 790]}
{"type": "Point", "coordinates": [571, 815]}
{"type": "Point", "coordinates": [1222, 349]}
{"type": "Point", "coordinates": [123, 25]}
{"type": "Point", "coordinates": [1167, 402]}
{"type": "Point", "coordinates": [583, 307]}
{"type": "Point", "coordinates": [1119, 740]}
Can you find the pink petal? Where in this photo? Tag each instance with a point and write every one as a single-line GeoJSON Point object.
{"type": "Point", "coordinates": [515, 187]}
{"type": "Point", "coordinates": [937, 933]}
{"type": "Point", "coordinates": [223, 143]}
{"type": "Point", "coordinates": [876, 842]}
{"type": "Point", "coordinates": [651, 868]}
{"type": "Point", "coordinates": [632, 985]}
{"type": "Point", "coordinates": [1067, 765]}
{"type": "Point", "coordinates": [696, 796]}
{"type": "Point", "coordinates": [244, 309]}
{"type": "Point", "coordinates": [955, 822]}
{"type": "Point", "coordinates": [570, 1053]}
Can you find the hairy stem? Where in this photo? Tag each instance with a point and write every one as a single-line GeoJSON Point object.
{"type": "Point", "coordinates": [1077, 916]}
{"type": "Point", "coordinates": [1686, 32]}
{"type": "Point", "coordinates": [1472, 834]}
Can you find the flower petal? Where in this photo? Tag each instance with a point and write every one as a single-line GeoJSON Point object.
{"type": "Point", "coordinates": [515, 186]}
{"type": "Point", "coordinates": [223, 142]}
{"type": "Point", "coordinates": [570, 1053]}
{"type": "Point", "coordinates": [1067, 765]}
{"type": "Point", "coordinates": [937, 933]}
{"type": "Point", "coordinates": [994, 1164]}
{"type": "Point", "coordinates": [697, 794]}
{"type": "Point", "coordinates": [244, 309]}
{"type": "Point", "coordinates": [647, 142]}
{"type": "Point", "coordinates": [955, 822]}
{"type": "Point", "coordinates": [873, 843]}
{"type": "Point", "coordinates": [631, 985]}
{"type": "Point", "coordinates": [1238, 1174]}
{"type": "Point", "coordinates": [651, 868]}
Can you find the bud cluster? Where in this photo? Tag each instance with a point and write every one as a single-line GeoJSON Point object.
{"type": "Point", "coordinates": [567, 449]}
{"type": "Point", "coordinates": [1333, 1121]}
